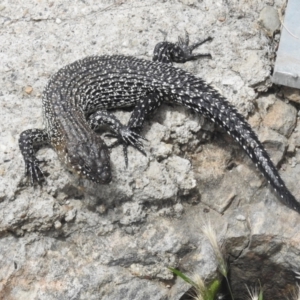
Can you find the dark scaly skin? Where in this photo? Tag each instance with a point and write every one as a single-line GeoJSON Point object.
{"type": "Point", "coordinates": [77, 99]}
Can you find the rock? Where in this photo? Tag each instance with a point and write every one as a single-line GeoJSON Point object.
{"type": "Point", "coordinates": [70, 215]}
{"type": "Point", "coordinates": [264, 104]}
{"type": "Point", "coordinates": [281, 117]}
{"type": "Point", "coordinates": [291, 94]}
{"type": "Point", "coordinates": [28, 90]}
{"type": "Point", "coordinates": [188, 2]}
{"type": "Point", "coordinates": [132, 213]}
{"type": "Point", "coordinates": [57, 225]}
{"type": "Point", "coordinates": [294, 140]}
{"type": "Point", "coordinates": [275, 143]}
{"type": "Point", "coordinates": [233, 81]}
{"type": "Point", "coordinates": [73, 239]}
{"type": "Point", "coordinates": [269, 19]}
{"type": "Point", "coordinates": [185, 177]}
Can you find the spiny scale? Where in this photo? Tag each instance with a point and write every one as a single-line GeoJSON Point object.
{"type": "Point", "coordinates": [77, 99]}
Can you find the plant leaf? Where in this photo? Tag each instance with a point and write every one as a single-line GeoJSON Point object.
{"type": "Point", "coordinates": [184, 277]}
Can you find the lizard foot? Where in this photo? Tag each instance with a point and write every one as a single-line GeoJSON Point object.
{"type": "Point", "coordinates": [186, 50]}
{"type": "Point", "coordinates": [33, 171]}
{"type": "Point", "coordinates": [128, 137]}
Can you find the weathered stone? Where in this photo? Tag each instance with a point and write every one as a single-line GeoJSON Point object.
{"type": "Point", "coordinates": [294, 140]}
{"type": "Point", "coordinates": [291, 94]}
{"type": "Point", "coordinates": [72, 239]}
{"type": "Point", "coordinates": [275, 143]}
{"type": "Point", "coordinates": [281, 117]}
{"type": "Point", "coordinates": [70, 215]}
{"type": "Point", "coordinates": [269, 19]}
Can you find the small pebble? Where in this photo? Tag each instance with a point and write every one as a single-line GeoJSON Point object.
{"type": "Point", "coordinates": [240, 218]}
{"type": "Point", "coordinates": [28, 90]}
{"type": "Point", "coordinates": [70, 215]}
{"type": "Point", "coordinates": [57, 225]}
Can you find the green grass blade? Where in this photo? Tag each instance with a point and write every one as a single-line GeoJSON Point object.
{"type": "Point", "coordinates": [260, 295]}
{"type": "Point", "coordinates": [184, 277]}
{"type": "Point", "coordinates": [212, 290]}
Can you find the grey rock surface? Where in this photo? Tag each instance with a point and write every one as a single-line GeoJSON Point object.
{"type": "Point", "coordinates": [269, 19]}
{"type": "Point", "coordinates": [281, 117]}
{"type": "Point", "coordinates": [72, 239]}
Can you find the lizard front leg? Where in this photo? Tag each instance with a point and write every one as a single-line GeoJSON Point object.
{"type": "Point", "coordinates": [123, 133]}
{"type": "Point", "coordinates": [29, 142]}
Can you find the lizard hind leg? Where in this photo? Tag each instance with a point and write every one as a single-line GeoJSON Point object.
{"type": "Point", "coordinates": [179, 52]}
{"type": "Point", "coordinates": [183, 52]}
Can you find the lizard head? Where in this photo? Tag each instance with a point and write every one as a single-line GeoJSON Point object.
{"type": "Point", "coordinates": [89, 159]}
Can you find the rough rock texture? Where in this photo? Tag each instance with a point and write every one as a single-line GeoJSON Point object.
{"type": "Point", "coordinates": [291, 94]}
{"type": "Point", "coordinates": [269, 19]}
{"type": "Point", "coordinates": [72, 239]}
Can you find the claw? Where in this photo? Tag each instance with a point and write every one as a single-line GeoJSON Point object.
{"type": "Point", "coordinates": [184, 41]}
{"type": "Point", "coordinates": [139, 136]}
{"type": "Point", "coordinates": [111, 135]}
{"type": "Point", "coordinates": [164, 34]}
{"type": "Point", "coordinates": [187, 55]}
{"type": "Point", "coordinates": [195, 45]}
{"type": "Point", "coordinates": [197, 56]}
{"type": "Point", "coordinates": [34, 172]}
{"type": "Point", "coordinates": [128, 137]}
{"type": "Point", "coordinates": [125, 154]}
{"type": "Point", "coordinates": [133, 139]}
{"type": "Point", "coordinates": [297, 275]}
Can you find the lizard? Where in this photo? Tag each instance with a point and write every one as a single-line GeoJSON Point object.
{"type": "Point", "coordinates": [77, 101]}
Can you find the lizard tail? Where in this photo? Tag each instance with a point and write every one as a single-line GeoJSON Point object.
{"type": "Point", "coordinates": [211, 104]}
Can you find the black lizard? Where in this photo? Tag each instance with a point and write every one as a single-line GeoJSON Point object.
{"type": "Point", "coordinates": [77, 100]}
